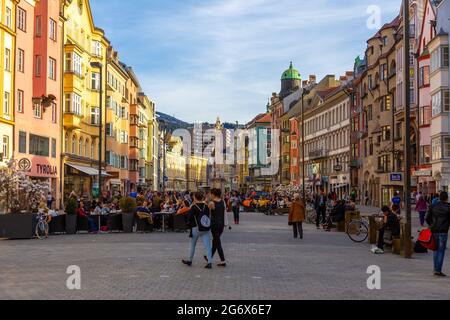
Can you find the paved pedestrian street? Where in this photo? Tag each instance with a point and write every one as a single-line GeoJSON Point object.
{"type": "Point", "coordinates": [265, 262]}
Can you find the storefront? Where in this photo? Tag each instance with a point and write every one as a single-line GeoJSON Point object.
{"type": "Point", "coordinates": [426, 183]}
{"type": "Point", "coordinates": [45, 170]}
{"type": "Point", "coordinates": [389, 189]}
{"type": "Point", "coordinates": [81, 180]}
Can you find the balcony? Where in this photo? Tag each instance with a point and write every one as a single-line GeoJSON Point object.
{"type": "Point", "coordinates": [318, 154]}
{"type": "Point", "coordinates": [355, 163]}
{"type": "Point", "coordinates": [72, 121]}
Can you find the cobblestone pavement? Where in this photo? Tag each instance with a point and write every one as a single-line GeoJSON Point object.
{"type": "Point", "coordinates": [265, 262]}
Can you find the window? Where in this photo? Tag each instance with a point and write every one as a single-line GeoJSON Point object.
{"type": "Point", "coordinates": [20, 101]}
{"type": "Point", "coordinates": [74, 145]}
{"type": "Point", "coordinates": [95, 116]}
{"type": "Point", "coordinates": [383, 72]}
{"type": "Point", "coordinates": [8, 17]}
{"type": "Point", "coordinates": [398, 130]}
{"type": "Point", "coordinates": [440, 102]}
{"type": "Point", "coordinates": [53, 148]}
{"type": "Point", "coordinates": [92, 150]}
{"type": "Point", "coordinates": [436, 149]}
{"type": "Point", "coordinates": [22, 142]}
{"type": "Point", "coordinates": [371, 146]}
{"type": "Point", "coordinates": [38, 26]}
{"type": "Point", "coordinates": [37, 111]}
{"type": "Point", "coordinates": [52, 30]}
{"type": "Point", "coordinates": [424, 76]}
{"type": "Point", "coordinates": [439, 58]}
{"type": "Point", "coordinates": [385, 103]}
{"type": "Point", "coordinates": [73, 104]}
{"type": "Point", "coordinates": [80, 147]}
{"type": "Point", "coordinates": [384, 163]}
{"type": "Point", "coordinates": [425, 154]}
{"type": "Point", "coordinates": [425, 116]}
{"type": "Point", "coordinates": [21, 19]}
{"type": "Point", "coordinates": [21, 60]}
{"type": "Point", "coordinates": [95, 84]}
{"type": "Point", "coordinates": [97, 48]}
{"type": "Point", "coordinates": [54, 113]}
{"type": "Point", "coordinates": [66, 143]}
{"type": "Point", "coordinates": [110, 129]}
{"type": "Point", "coordinates": [74, 63]}
{"type": "Point", "coordinates": [369, 113]}
{"type": "Point", "coordinates": [6, 104]}
{"type": "Point", "coordinates": [6, 147]}
{"type": "Point", "coordinates": [385, 41]}
{"type": "Point", "coordinates": [52, 68]}
{"type": "Point", "coordinates": [7, 59]}
{"type": "Point", "coordinates": [38, 66]}
{"type": "Point", "coordinates": [39, 146]}
{"type": "Point", "coordinates": [446, 147]}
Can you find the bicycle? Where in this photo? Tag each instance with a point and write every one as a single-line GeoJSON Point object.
{"type": "Point", "coordinates": [358, 230]}
{"type": "Point", "coordinates": [42, 227]}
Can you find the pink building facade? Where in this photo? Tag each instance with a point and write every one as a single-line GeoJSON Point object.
{"type": "Point", "coordinates": [423, 173]}
{"type": "Point", "coordinates": [38, 86]}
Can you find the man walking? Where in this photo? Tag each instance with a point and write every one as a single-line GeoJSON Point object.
{"type": "Point", "coordinates": [438, 218]}
{"type": "Point", "coordinates": [321, 208]}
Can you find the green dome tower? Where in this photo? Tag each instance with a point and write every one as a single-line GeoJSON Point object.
{"type": "Point", "coordinates": [290, 81]}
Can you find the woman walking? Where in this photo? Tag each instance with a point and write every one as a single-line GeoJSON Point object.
{"type": "Point", "coordinates": [297, 216]}
{"type": "Point", "coordinates": [218, 223]}
{"type": "Point", "coordinates": [235, 206]}
{"type": "Point", "coordinates": [421, 208]}
{"type": "Point", "coordinates": [200, 222]}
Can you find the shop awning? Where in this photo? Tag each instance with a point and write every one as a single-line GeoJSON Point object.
{"type": "Point", "coordinates": [87, 170]}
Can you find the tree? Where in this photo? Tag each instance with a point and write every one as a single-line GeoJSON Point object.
{"type": "Point", "coordinates": [18, 193]}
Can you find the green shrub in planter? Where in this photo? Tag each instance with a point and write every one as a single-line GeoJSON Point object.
{"type": "Point", "coordinates": [71, 216]}
{"type": "Point", "coordinates": [128, 205]}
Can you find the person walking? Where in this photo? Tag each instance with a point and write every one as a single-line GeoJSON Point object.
{"type": "Point", "coordinates": [421, 208]}
{"type": "Point", "coordinates": [438, 218]}
{"type": "Point", "coordinates": [200, 222]}
{"type": "Point", "coordinates": [218, 223]}
{"type": "Point", "coordinates": [235, 207]}
{"type": "Point", "coordinates": [297, 216]}
{"type": "Point", "coordinates": [320, 205]}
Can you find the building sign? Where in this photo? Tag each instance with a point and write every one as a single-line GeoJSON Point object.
{"type": "Point", "coordinates": [396, 177]}
{"type": "Point", "coordinates": [38, 167]}
{"type": "Point", "coordinates": [337, 168]}
{"type": "Point", "coordinates": [423, 173]}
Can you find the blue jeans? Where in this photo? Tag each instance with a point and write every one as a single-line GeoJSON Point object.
{"type": "Point", "coordinates": [207, 242]}
{"type": "Point", "coordinates": [92, 225]}
{"type": "Point", "coordinates": [439, 254]}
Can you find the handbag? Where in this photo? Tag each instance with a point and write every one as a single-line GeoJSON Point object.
{"type": "Point", "coordinates": [427, 240]}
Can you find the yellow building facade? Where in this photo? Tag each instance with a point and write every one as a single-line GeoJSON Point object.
{"type": "Point", "coordinates": [84, 44]}
{"type": "Point", "coordinates": [196, 173]}
{"type": "Point", "coordinates": [149, 136]}
{"type": "Point", "coordinates": [7, 65]}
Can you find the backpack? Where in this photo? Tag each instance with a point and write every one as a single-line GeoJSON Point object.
{"type": "Point", "coordinates": [205, 219]}
{"type": "Point", "coordinates": [427, 240]}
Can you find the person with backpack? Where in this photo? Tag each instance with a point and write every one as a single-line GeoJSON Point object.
{"type": "Point", "coordinates": [236, 207]}
{"type": "Point", "coordinates": [438, 218]}
{"type": "Point", "coordinates": [199, 219]}
{"type": "Point", "coordinates": [218, 223]}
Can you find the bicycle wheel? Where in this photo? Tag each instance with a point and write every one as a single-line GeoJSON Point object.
{"type": "Point", "coordinates": [41, 230]}
{"type": "Point", "coordinates": [357, 231]}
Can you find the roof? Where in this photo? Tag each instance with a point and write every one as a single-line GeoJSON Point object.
{"type": "Point", "coordinates": [393, 24]}
{"type": "Point", "coordinates": [267, 118]}
{"type": "Point", "coordinates": [324, 94]}
{"type": "Point", "coordinates": [291, 73]}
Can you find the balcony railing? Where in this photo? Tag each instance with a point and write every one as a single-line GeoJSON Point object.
{"type": "Point", "coordinates": [317, 154]}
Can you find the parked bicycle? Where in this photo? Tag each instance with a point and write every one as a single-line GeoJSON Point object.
{"type": "Point", "coordinates": [358, 230]}
{"type": "Point", "coordinates": [42, 227]}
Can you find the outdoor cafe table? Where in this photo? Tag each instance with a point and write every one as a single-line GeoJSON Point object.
{"type": "Point", "coordinates": [164, 215]}
{"type": "Point", "coordinates": [99, 217]}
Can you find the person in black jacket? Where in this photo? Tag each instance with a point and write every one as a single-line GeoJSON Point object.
{"type": "Point", "coordinates": [438, 218]}
{"type": "Point", "coordinates": [218, 223]}
{"type": "Point", "coordinates": [198, 211]}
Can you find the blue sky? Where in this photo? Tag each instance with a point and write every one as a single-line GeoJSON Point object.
{"type": "Point", "coordinates": [199, 59]}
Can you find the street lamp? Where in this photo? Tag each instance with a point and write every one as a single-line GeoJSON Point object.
{"type": "Point", "coordinates": [305, 92]}
{"type": "Point", "coordinates": [99, 66]}
{"type": "Point", "coordinates": [406, 88]}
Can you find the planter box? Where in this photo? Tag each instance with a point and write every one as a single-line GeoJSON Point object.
{"type": "Point", "coordinates": [18, 226]}
{"type": "Point", "coordinates": [71, 223]}
{"type": "Point", "coordinates": [128, 222]}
